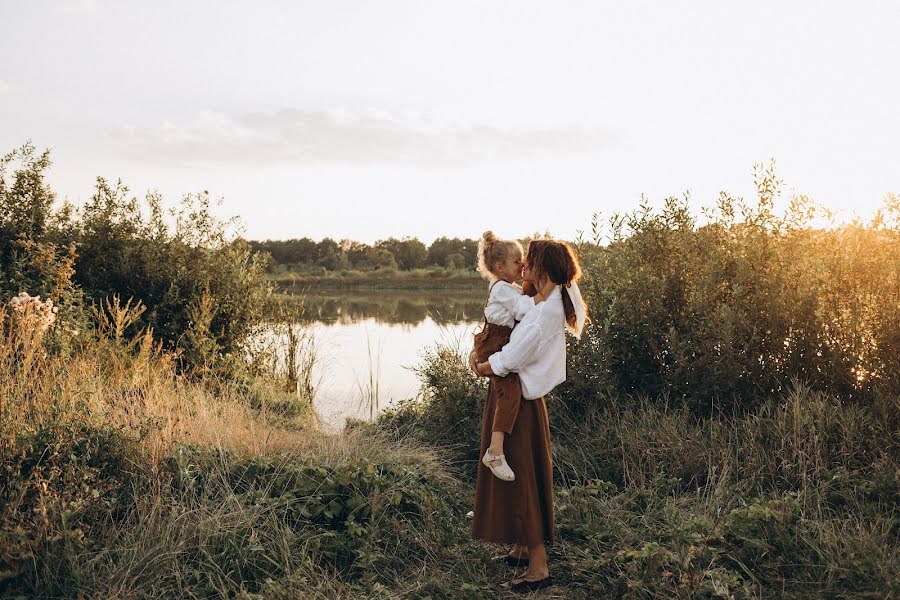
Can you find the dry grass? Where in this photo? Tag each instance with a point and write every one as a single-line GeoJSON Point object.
{"type": "Point", "coordinates": [133, 387]}
{"type": "Point", "coordinates": [97, 504]}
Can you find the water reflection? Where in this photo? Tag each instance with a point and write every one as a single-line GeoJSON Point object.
{"type": "Point", "coordinates": [365, 367]}
{"type": "Point", "coordinates": [390, 307]}
{"type": "Point", "coordinates": [368, 343]}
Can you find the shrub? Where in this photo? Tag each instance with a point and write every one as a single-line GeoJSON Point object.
{"type": "Point", "coordinates": [205, 292]}
{"type": "Point", "coordinates": [62, 483]}
{"type": "Point", "coordinates": [33, 260]}
{"type": "Point", "coordinates": [723, 315]}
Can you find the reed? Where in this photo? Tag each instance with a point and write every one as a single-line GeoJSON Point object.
{"type": "Point", "coordinates": [369, 389]}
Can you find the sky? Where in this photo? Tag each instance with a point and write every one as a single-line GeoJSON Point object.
{"type": "Point", "coordinates": [364, 120]}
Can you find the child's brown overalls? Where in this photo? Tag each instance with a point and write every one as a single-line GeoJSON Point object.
{"type": "Point", "coordinates": [506, 390]}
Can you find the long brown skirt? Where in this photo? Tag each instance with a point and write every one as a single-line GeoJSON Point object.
{"type": "Point", "coordinates": [520, 511]}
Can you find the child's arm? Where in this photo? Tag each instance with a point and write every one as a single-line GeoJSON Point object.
{"type": "Point", "coordinates": [526, 303]}
{"type": "Point", "coordinates": [513, 301]}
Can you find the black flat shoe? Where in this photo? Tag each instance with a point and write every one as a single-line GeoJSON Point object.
{"type": "Point", "coordinates": [512, 561]}
{"type": "Point", "coordinates": [525, 585]}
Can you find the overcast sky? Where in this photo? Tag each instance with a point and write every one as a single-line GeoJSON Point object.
{"type": "Point", "coordinates": [367, 119]}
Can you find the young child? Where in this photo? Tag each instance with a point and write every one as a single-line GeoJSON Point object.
{"type": "Point", "coordinates": [500, 261]}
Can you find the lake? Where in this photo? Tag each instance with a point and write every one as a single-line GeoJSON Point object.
{"type": "Point", "coordinates": [368, 343]}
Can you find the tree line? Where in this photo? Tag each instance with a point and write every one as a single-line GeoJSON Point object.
{"type": "Point", "coordinates": [392, 253]}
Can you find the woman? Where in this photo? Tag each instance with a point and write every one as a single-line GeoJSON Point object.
{"type": "Point", "coordinates": [520, 512]}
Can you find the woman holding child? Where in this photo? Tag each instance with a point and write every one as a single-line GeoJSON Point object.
{"type": "Point", "coordinates": [522, 349]}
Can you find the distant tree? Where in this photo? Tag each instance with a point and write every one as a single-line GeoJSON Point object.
{"type": "Point", "coordinates": [379, 258]}
{"type": "Point", "coordinates": [300, 251]}
{"type": "Point", "coordinates": [327, 248]}
{"type": "Point", "coordinates": [357, 254]}
{"type": "Point", "coordinates": [409, 252]}
{"type": "Point", "coordinates": [456, 261]}
{"type": "Point", "coordinates": [441, 249]}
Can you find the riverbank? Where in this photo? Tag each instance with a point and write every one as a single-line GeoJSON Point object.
{"type": "Point", "coordinates": [189, 492]}
{"type": "Point", "coordinates": [292, 283]}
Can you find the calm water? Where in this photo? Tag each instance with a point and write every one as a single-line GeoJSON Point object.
{"type": "Point", "coordinates": [369, 343]}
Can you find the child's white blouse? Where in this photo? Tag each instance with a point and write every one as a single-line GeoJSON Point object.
{"type": "Point", "coordinates": [507, 304]}
{"type": "Point", "coordinates": [536, 349]}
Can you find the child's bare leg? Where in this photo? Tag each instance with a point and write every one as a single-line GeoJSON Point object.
{"type": "Point", "coordinates": [496, 446]}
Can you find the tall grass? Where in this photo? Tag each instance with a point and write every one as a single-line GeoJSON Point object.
{"type": "Point", "coordinates": [124, 478]}
{"type": "Point", "coordinates": [369, 389]}
{"type": "Point", "coordinates": [796, 498]}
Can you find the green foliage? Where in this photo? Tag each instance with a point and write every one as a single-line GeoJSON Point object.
{"type": "Point", "coordinates": [641, 542]}
{"type": "Point", "coordinates": [209, 523]}
{"type": "Point", "coordinates": [448, 412]}
{"type": "Point", "coordinates": [723, 315]}
{"type": "Point", "coordinates": [409, 253]}
{"type": "Point", "coordinates": [32, 257]}
{"type": "Point", "coordinates": [309, 257]}
{"type": "Point", "coordinates": [204, 292]}
{"type": "Point", "coordinates": [60, 484]}
{"type": "Point", "coordinates": [462, 253]}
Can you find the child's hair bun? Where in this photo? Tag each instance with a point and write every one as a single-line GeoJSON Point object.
{"type": "Point", "coordinates": [489, 237]}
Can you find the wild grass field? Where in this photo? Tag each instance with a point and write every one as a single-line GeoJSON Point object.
{"type": "Point", "coordinates": [730, 426]}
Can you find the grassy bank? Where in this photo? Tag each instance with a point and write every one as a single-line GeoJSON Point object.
{"type": "Point", "coordinates": [729, 427]}
{"type": "Point", "coordinates": [416, 279]}
{"type": "Point", "coordinates": [794, 499]}
{"type": "Point", "coordinates": [123, 479]}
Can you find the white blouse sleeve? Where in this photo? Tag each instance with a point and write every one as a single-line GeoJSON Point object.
{"type": "Point", "coordinates": [523, 305]}
{"type": "Point", "coordinates": [520, 350]}
{"type": "Point", "coordinates": [512, 300]}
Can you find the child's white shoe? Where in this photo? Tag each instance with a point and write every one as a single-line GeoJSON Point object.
{"type": "Point", "coordinates": [501, 471]}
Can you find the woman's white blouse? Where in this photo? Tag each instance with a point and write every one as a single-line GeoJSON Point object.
{"type": "Point", "coordinates": [536, 349]}
{"type": "Point", "coordinates": [507, 304]}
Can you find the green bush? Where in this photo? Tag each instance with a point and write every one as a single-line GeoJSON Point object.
{"type": "Point", "coordinates": [204, 290]}
{"type": "Point", "coordinates": [61, 485]}
{"type": "Point", "coordinates": [722, 316]}
{"type": "Point", "coordinates": [33, 257]}
{"type": "Point", "coordinates": [642, 542]}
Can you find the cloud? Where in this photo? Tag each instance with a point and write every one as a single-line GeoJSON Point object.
{"type": "Point", "coordinates": [4, 87]}
{"type": "Point", "coordinates": [334, 136]}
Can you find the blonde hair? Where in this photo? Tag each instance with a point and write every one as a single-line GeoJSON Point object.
{"type": "Point", "coordinates": [491, 250]}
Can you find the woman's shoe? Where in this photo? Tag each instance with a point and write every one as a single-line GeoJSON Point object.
{"type": "Point", "coordinates": [501, 471]}
{"type": "Point", "coordinates": [524, 585]}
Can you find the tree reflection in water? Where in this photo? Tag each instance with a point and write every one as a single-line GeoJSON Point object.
{"type": "Point", "coordinates": [399, 307]}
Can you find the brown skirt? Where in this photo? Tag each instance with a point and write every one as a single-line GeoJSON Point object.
{"type": "Point", "coordinates": [520, 511]}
